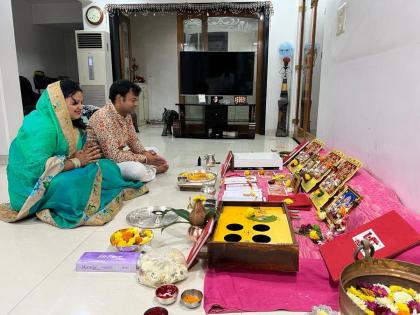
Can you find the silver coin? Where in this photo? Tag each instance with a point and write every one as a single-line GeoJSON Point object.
{"type": "Point", "coordinates": [151, 217]}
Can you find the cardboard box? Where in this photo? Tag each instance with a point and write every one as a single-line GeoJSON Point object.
{"type": "Point", "coordinates": [108, 262]}
{"type": "Point", "coordinates": [257, 160]}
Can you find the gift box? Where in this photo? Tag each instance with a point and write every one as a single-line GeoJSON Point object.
{"type": "Point", "coordinates": [389, 235]}
{"type": "Point", "coordinates": [257, 160]}
{"type": "Point", "coordinates": [108, 262]}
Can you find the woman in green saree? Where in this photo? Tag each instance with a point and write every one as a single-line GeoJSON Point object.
{"type": "Point", "coordinates": [52, 175]}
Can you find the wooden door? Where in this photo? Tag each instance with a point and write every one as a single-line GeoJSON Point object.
{"type": "Point", "coordinates": [305, 72]}
{"type": "Point", "coordinates": [125, 48]}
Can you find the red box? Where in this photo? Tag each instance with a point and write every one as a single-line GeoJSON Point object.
{"type": "Point", "coordinates": [390, 235]}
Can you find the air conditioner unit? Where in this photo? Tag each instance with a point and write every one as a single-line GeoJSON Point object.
{"type": "Point", "coordinates": [95, 67]}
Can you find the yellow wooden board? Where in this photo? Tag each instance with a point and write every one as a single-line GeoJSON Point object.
{"type": "Point", "coordinates": [234, 226]}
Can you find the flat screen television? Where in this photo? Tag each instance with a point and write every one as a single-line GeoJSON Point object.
{"type": "Point", "coordinates": [217, 73]}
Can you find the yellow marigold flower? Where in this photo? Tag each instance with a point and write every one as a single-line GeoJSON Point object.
{"type": "Point", "coordinates": [342, 211]}
{"type": "Point", "coordinates": [278, 176]}
{"type": "Point", "coordinates": [131, 241]}
{"type": "Point", "coordinates": [199, 197]}
{"type": "Point", "coordinates": [359, 302]}
{"type": "Point", "coordinates": [313, 235]}
{"type": "Point", "coordinates": [295, 162]}
{"type": "Point", "coordinates": [352, 290]}
{"type": "Point", "coordinates": [288, 201]}
{"type": "Point", "coordinates": [360, 295]}
{"type": "Point", "coordinates": [369, 298]}
{"type": "Point", "coordinates": [247, 173]}
{"type": "Point", "coordinates": [403, 307]}
{"type": "Point", "coordinates": [307, 176]}
{"type": "Point", "coordinates": [395, 288]}
{"type": "Point", "coordinates": [412, 292]}
{"type": "Point", "coordinates": [287, 183]}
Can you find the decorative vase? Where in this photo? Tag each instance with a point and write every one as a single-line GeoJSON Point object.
{"type": "Point", "coordinates": [194, 232]}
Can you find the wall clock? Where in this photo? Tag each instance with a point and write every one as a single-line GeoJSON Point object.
{"type": "Point", "coordinates": [94, 15]}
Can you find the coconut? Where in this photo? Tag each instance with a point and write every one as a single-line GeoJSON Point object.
{"type": "Point", "coordinates": [198, 214]}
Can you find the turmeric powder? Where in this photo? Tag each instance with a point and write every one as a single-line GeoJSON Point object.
{"type": "Point", "coordinates": [191, 299]}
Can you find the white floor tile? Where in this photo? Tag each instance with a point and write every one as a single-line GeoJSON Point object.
{"type": "Point", "coordinates": [28, 257]}
{"type": "Point", "coordinates": [38, 270]}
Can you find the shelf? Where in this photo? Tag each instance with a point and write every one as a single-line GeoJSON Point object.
{"type": "Point", "coordinates": [216, 120]}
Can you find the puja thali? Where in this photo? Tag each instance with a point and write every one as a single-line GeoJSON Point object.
{"type": "Point", "coordinates": [194, 180]}
{"type": "Point", "coordinates": [198, 176]}
{"type": "Point", "coordinates": [151, 217]}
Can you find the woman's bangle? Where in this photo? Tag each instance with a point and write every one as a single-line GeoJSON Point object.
{"type": "Point", "coordinates": [76, 162]}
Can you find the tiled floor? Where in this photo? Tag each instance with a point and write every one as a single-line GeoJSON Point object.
{"type": "Point", "coordinates": [37, 269]}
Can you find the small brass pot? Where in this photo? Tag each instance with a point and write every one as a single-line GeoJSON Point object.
{"type": "Point", "coordinates": [385, 271]}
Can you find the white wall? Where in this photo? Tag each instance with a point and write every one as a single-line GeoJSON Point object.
{"type": "Point", "coordinates": [369, 102]}
{"type": "Point", "coordinates": [40, 47]}
{"type": "Point", "coordinates": [283, 28]}
{"type": "Point", "coordinates": [154, 45]}
{"type": "Point", "coordinates": [52, 13]}
{"type": "Point", "coordinates": [11, 112]}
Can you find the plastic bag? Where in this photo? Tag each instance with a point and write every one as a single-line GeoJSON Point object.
{"type": "Point", "coordinates": [162, 267]}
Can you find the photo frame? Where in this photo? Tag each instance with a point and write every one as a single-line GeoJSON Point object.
{"type": "Point", "coordinates": [337, 212]}
{"type": "Point", "coordinates": [335, 180]}
{"type": "Point", "coordinates": [240, 100]}
{"type": "Point", "coordinates": [297, 163]}
{"type": "Point", "coordinates": [315, 173]}
{"type": "Point", "coordinates": [216, 99]}
{"type": "Point", "coordinates": [201, 98]}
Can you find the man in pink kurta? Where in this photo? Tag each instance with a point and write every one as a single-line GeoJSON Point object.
{"type": "Point", "coordinates": [111, 127]}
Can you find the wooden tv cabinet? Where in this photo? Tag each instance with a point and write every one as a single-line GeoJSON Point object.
{"type": "Point", "coordinates": [214, 122]}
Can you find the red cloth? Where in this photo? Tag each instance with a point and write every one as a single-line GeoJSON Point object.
{"type": "Point", "coordinates": [226, 291]}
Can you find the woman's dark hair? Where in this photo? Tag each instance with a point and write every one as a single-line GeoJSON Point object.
{"type": "Point", "coordinates": [122, 87]}
{"type": "Point", "coordinates": [69, 88]}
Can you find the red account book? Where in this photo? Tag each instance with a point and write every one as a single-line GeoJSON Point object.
{"type": "Point", "coordinates": [390, 235]}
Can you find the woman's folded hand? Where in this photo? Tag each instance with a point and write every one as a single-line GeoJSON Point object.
{"type": "Point", "coordinates": [88, 155]}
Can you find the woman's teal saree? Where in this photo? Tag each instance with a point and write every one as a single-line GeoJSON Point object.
{"type": "Point", "coordinates": [91, 195]}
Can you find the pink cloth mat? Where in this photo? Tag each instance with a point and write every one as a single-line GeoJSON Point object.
{"type": "Point", "coordinates": [233, 291]}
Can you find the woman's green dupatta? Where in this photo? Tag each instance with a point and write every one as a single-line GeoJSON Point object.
{"type": "Point", "coordinates": [91, 195]}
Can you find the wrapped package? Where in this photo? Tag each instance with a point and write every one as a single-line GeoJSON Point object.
{"type": "Point", "coordinates": [162, 267]}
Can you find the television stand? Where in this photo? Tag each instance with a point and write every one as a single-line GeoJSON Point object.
{"type": "Point", "coordinates": [213, 121]}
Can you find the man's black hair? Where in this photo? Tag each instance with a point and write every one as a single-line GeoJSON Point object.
{"type": "Point", "coordinates": [122, 87]}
